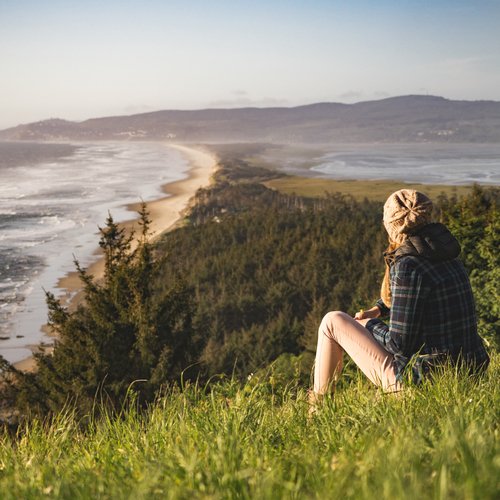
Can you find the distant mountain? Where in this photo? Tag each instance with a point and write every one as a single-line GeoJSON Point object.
{"type": "Point", "coordinates": [413, 118]}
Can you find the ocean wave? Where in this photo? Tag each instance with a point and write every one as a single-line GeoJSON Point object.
{"type": "Point", "coordinates": [48, 209]}
{"type": "Point", "coordinates": [44, 230]}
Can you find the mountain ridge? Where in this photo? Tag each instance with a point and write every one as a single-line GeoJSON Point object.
{"type": "Point", "coordinates": [411, 118]}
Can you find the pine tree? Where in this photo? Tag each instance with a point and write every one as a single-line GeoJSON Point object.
{"type": "Point", "coordinates": [475, 222]}
{"type": "Point", "coordinates": [126, 334]}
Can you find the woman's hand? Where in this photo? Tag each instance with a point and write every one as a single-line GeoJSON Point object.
{"type": "Point", "coordinates": [374, 312]}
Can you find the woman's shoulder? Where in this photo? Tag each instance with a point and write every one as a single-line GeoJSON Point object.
{"type": "Point", "coordinates": [431, 272]}
{"type": "Point", "coordinates": [410, 262]}
{"type": "Point", "coordinates": [412, 265]}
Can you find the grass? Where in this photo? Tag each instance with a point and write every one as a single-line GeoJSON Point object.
{"type": "Point", "coordinates": [255, 441]}
{"type": "Point", "coordinates": [373, 190]}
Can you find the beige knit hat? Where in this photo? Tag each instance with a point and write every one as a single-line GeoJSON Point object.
{"type": "Point", "coordinates": [405, 211]}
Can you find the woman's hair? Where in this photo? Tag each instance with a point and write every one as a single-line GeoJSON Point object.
{"type": "Point", "coordinates": [385, 289]}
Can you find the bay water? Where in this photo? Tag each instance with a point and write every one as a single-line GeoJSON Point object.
{"type": "Point", "coordinates": [455, 164]}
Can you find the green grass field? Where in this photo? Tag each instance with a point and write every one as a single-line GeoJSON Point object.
{"type": "Point", "coordinates": [438, 441]}
{"type": "Point", "coordinates": [373, 190]}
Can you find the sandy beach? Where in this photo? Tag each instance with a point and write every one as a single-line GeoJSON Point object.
{"type": "Point", "coordinates": [165, 215]}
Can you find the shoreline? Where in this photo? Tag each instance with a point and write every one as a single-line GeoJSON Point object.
{"type": "Point", "coordinates": [165, 214]}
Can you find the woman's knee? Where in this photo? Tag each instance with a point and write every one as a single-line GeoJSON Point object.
{"type": "Point", "coordinates": [333, 317]}
{"type": "Point", "coordinates": [331, 320]}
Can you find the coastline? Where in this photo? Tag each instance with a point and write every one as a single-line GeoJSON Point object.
{"type": "Point", "coordinates": [165, 213]}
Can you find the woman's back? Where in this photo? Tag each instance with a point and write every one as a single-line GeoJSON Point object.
{"type": "Point", "coordinates": [443, 319]}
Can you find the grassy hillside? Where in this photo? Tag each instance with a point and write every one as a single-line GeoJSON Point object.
{"type": "Point", "coordinates": [255, 441]}
{"type": "Point", "coordinates": [373, 190]}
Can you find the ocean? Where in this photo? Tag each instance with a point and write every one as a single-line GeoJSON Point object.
{"type": "Point", "coordinates": [53, 197]}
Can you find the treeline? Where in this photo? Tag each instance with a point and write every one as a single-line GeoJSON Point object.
{"type": "Point", "coordinates": [246, 280]}
{"type": "Point", "coordinates": [475, 221]}
{"type": "Point", "coordinates": [262, 277]}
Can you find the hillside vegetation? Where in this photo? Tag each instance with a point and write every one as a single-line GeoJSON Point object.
{"type": "Point", "coordinates": [359, 190]}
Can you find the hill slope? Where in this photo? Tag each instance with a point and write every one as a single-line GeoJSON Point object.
{"type": "Point", "coordinates": [398, 119]}
{"type": "Point", "coordinates": [254, 441]}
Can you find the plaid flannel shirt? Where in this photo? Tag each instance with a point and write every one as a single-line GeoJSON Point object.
{"type": "Point", "coordinates": [432, 312]}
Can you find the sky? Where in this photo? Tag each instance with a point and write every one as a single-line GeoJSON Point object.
{"type": "Point", "coordinates": [78, 59]}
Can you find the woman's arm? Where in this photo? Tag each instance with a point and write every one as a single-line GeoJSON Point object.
{"type": "Point", "coordinates": [384, 310]}
{"type": "Point", "coordinates": [374, 312]}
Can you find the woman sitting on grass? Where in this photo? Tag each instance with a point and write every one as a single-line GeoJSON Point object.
{"type": "Point", "coordinates": [426, 294]}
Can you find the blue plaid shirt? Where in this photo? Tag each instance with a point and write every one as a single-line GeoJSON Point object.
{"type": "Point", "coordinates": [432, 312]}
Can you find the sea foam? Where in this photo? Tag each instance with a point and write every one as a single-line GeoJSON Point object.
{"type": "Point", "coordinates": [50, 212]}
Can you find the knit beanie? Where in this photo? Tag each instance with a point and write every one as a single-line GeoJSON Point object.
{"type": "Point", "coordinates": [405, 211]}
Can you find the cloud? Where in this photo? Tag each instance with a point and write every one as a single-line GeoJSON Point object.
{"type": "Point", "coordinates": [138, 108]}
{"type": "Point", "coordinates": [381, 94]}
{"type": "Point", "coordinates": [351, 94]}
{"type": "Point", "coordinates": [466, 61]}
{"type": "Point", "coordinates": [244, 102]}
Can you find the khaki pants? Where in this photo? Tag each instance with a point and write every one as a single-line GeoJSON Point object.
{"type": "Point", "coordinates": [339, 332]}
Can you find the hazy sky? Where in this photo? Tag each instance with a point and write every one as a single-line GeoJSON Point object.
{"type": "Point", "coordinates": [79, 59]}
